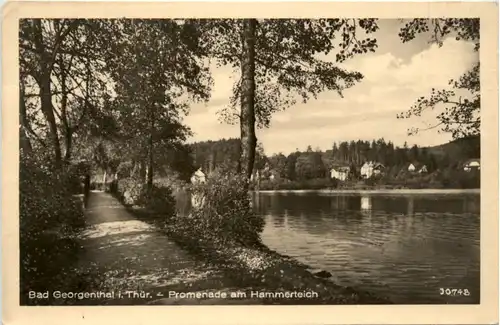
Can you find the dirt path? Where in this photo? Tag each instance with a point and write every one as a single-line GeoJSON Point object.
{"type": "Point", "coordinates": [133, 263]}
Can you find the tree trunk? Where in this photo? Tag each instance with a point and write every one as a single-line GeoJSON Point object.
{"type": "Point", "coordinates": [46, 103]}
{"type": "Point", "coordinates": [68, 132]}
{"type": "Point", "coordinates": [24, 140]}
{"type": "Point", "coordinates": [104, 181]}
{"type": "Point", "coordinates": [150, 156]}
{"type": "Point", "coordinates": [247, 114]}
{"type": "Point", "coordinates": [68, 137]}
{"type": "Point", "coordinates": [46, 93]}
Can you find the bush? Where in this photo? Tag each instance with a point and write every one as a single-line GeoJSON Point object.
{"type": "Point", "coordinates": [133, 191]}
{"type": "Point", "coordinates": [226, 214]}
{"type": "Point", "coordinates": [46, 201]}
{"type": "Point", "coordinates": [129, 190]}
{"type": "Point", "coordinates": [49, 216]}
{"type": "Point", "coordinates": [158, 199]}
{"type": "Point", "coordinates": [310, 184]}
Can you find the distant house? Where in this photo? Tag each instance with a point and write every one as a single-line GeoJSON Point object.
{"type": "Point", "coordinates": [274, 175]}
{"type": "Point", "coordinates": [340, 172]}
{"type": "Point", "coordinates": [367, 170]}
{"type": "Point", "coordinates": [255, 176]}
{"type": "Point", "coordinates": [472, 164]}
{"type": "Point", "coordinates": [198, 177]}
{"type": "Point", "coordinates": [423, 169]}
{"type": "Point", "coordinates": [417, 167]}
{"type": "Point", "coordinates": [371, 168]}
{"type": "Point", "coordinates": [378, 168]}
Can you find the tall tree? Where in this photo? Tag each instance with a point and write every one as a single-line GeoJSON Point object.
{"type": "Point", "coordinates": [278, 163]}
{"type": "Point", "coordinates": [461, 115]}
{"type": "Point", "coordinates": [158, 66]}
{"type": "Point", "coordinates": [280, 62]}
{"type": "Point", "coordinates": [60, 63]}
{"type": "Point", "coordinates": [247, 111]}
{"type": "Point", "coordinates": [260, 157]}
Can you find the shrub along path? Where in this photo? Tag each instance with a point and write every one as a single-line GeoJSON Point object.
{"type": "Point", "coordinates": [137, 264]}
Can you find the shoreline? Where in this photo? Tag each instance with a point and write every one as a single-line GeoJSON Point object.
{"type": "Point", "coordinates": [375, 191]}
{"type": "Point", "coordinates": [282, 273]}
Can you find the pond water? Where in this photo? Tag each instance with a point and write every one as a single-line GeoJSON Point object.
{"type": "Point", "coordinates": [402, 246]}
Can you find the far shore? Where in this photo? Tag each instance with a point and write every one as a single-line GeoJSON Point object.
{"type": "Point", "coordinates": [381, 191]}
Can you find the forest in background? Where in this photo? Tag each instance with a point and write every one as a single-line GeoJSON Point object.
{"type": "Point", "coordinates": [444, 163]}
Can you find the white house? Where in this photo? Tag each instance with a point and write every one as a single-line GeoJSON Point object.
{"type": "Point", "coordinates": [273, 176]}
{"type": "Point", "coordinates": [378, 168]}
{"type": "Point", "coordinates": [255, 176]}
{"type": "Point", "coordinates": [198, 177]}
{"type": "Point", "coordinates": [472, 164]}
{"type": "Point", "coordinates": [371, 168]}
{"type": "Point", "coordinates": [340, 172]}
{"type": "Point", "coordinates": [367, 170]}
{"type": "Point", "coordinates": [423, 169]}
{"type": "Point", "coordinates": [417, 167]}
{"type": "Point", "coordinates": [197, 199]}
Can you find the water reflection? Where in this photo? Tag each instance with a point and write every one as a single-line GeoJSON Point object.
{"type": "Point", "coordinates": [366, 203]}
{"type": "Point", "coordinates": [366, 206]}
{"type": "Point", "coordinates": [402, 246]}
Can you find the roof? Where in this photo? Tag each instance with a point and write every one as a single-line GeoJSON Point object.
{"type": "Point", "coordinates": [467, 162]}
{"type": "Point", "coordinates": [373, 164]}
{"type": "Point", "coordinates": [416, 164]}
{"type": "Point", "coordinates": [199, 173]}
{"type": "Point", "coordinates": [341, 168]}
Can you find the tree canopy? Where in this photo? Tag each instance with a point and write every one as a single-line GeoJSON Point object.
{"type": "Point", "coordinates": [459, 107]}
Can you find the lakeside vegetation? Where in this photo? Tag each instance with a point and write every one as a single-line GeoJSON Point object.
{"type": "Point", "coordinates": [449, 179]}
{"type": "Point", "coordinates": [225, 232]}
{"type": "Point", "coordinates": [113, 93]}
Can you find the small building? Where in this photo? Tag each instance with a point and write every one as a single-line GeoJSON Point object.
{"type": "Point", "coordinates": [371, 168]}
{"type": "Point", "coordinates": [472, 164]}
{"type": "Point", "coordinates": [417, 167]}
{"type": "Point", "coordinates": [274, 175]}
{"type": "Point", "coordinates": [255, 177]}
{"type": "Point", "coordinates": [198, 177]}
{"type": "Point", "coordinates": [340, 172]}
{"type": "Point", "coordinates": [197, 199]}
{"type": "Point", "coordinates": [378, 168]}
{"type": "Point", "coordinates": [366, 170]}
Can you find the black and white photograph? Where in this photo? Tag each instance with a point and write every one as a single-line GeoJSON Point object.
{"type": "Point", "coordinates": [250, 161]}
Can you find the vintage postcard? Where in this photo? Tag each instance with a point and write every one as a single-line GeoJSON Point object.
{"type": "Point", "coordinates": [308, 163]}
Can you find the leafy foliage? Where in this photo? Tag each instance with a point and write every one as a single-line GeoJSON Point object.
{"type": "Point", "coordinates": [45, 199]}
{"type": "Point", "coordinates": [159, 198]}
{"type": "Point", "coordinates": [288, 59]}
{"type": "Point", "coordinates": [49, 216]}
{"type": "Point", "coordinates": [226, 215]}
{"type": "Point", "coordinates": [212, 155]}
{"type": "Point", "coordinates": [461, 116]}
{"type": "Point", "coordinates": [62, 77]}
{"type": "Point", "coordinates": [154, 84]}
{"type": "Point", "coordinates": [279, 61]}
{"type": "Point", "coordinates": [130, 189]}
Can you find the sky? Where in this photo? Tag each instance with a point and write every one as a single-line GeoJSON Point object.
{"type": "Point", "coordinates": [394, 77]}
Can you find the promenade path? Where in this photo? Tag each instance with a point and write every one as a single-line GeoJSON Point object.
{"type": "Point", "coordinates": [138, 263]}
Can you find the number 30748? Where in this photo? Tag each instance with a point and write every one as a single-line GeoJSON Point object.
{"type": "Point", "coordinates": [454, 292]}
